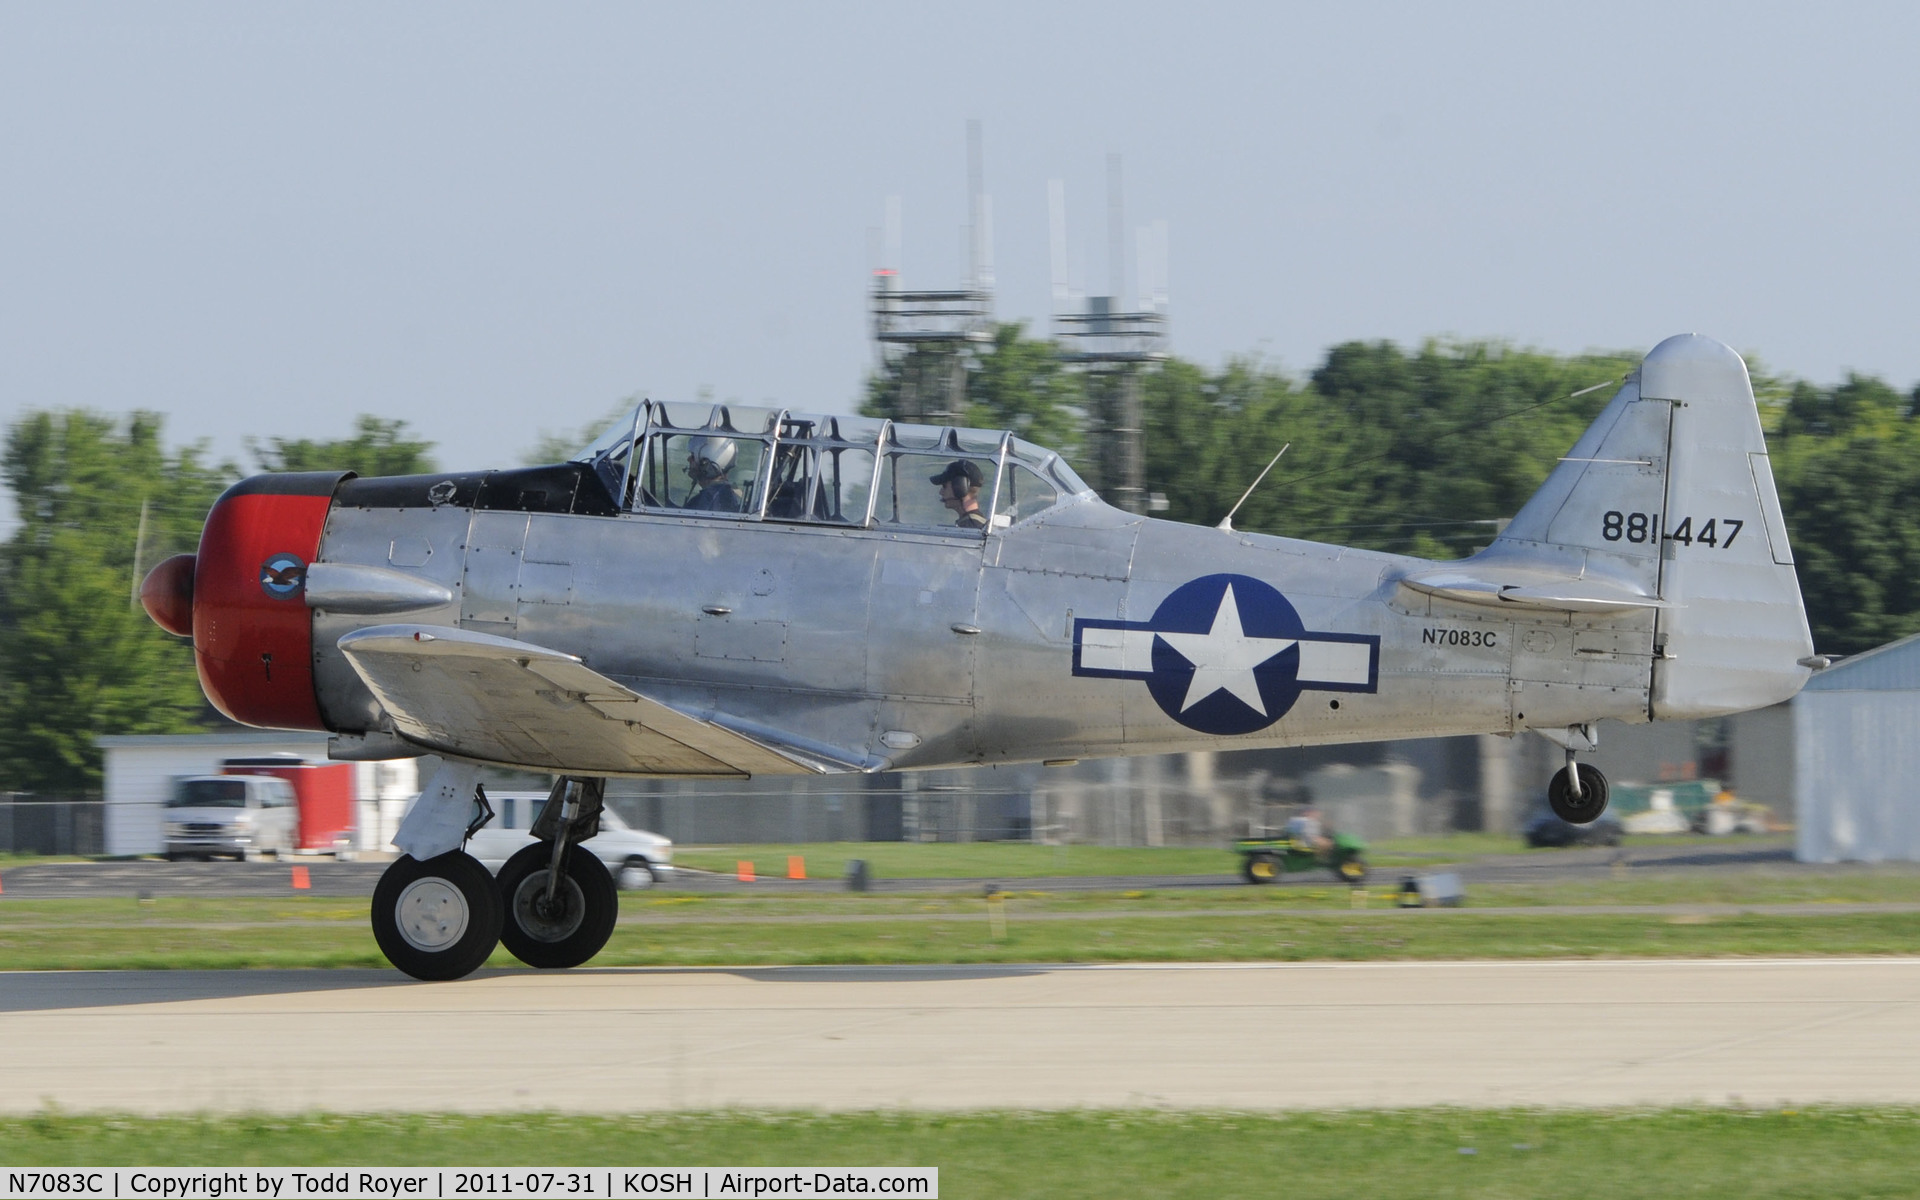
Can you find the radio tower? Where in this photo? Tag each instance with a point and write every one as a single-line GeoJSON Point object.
{"type": "Point", "coordinates": [1112, 344]}
{"type": "Point", "coordinates": [926, 338]}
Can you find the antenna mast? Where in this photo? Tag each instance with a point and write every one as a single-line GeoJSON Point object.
{"type": "Point", "coordinates": [1226, 522]}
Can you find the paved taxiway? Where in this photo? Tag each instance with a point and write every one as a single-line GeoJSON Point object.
{"type": "Point", "coordinates": [1235, 1036]}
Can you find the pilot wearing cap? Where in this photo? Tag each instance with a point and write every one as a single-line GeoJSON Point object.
{"type": "Point", "coordinates": [960, 492]}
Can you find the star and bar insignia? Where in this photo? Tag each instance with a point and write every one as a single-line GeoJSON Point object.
{"type": "Point", "coordinates": [1226, 654]}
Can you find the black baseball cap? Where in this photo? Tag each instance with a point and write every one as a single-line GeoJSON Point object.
{"type": "Point", "coordinates": [957, 469]}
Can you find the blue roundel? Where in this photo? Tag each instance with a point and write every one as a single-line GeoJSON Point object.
{"type": "Point", "coordinates": [282, 576]}
{"type": "Point", "coordinates": [1227, 656]}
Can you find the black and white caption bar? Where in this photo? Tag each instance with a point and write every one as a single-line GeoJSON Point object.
{"type": "Point", "coordinates": [456, 1183]}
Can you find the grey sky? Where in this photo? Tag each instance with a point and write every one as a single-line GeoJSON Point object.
{"type": "Point", "coordinates": [493, 221]}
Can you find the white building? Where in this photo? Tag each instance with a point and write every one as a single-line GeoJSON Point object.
{"type": "Point", "coordinates": [1856, 770]}
{"type": "Point", "coordinates": [140, 770]}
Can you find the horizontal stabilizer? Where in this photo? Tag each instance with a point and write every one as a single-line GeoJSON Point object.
{"type": "Point", "coordinates": [502, 701]}
{"type": "Point", "coordinates": [1529, 590]}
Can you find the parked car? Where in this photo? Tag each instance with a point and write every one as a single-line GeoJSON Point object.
{"type": "Point", "coordinates": [245, 816]}
{"type": "Point", "coordinates": [636, 858]}
{"type": "Point", "coordinates": [1545, 829]}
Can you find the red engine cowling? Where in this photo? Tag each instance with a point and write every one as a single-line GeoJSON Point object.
{"type": "Point", "coordinates": [252, 630]}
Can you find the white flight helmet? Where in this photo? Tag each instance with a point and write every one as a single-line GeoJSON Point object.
{"type": "Point", "coordinates": [710, 457]}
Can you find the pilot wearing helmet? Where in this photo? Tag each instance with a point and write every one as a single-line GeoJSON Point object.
{"type": "Point", "coordinates": [960, 492]}
{"type": "Point", "coordinates": [709, 459]}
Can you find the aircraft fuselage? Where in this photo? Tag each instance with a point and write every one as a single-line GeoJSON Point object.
{"type": "Point", "coordinates": [926, 649]}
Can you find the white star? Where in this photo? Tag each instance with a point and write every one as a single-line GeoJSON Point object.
{"type": "Point", "coordinates": [1224, 657]}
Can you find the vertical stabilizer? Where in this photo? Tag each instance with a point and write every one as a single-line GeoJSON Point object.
{"type": "Point", "coordinates": [1735, 631]}
{"type": "Point", "coordinates": [1669, 495]}
{"type": "Point", "coordinates": [1581, 514]}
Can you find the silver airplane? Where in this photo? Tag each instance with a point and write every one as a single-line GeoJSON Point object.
{"type": "Point", "coordinates": [723, 592]}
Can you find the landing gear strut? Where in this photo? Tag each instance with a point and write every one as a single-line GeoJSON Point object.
{"type": "Point", "coordinates": [1578, 792]}
{"type": "Point", "coordinates": [560, 901]}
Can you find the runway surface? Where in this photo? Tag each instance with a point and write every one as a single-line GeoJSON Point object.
{"type": "Point", "coordinates": [1250, 1036]}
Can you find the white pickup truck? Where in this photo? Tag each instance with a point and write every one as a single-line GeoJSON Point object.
{"type": "Point", "coordinates": [636, 858]}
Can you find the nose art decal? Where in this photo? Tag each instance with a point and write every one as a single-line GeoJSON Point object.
{"type": "Point", "coordinates": [1226, 654]}
{"type": "Point", "coordinates": [282, 576]}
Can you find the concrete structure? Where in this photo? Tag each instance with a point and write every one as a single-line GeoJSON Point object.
{"type": "Point", "coordinates": [140, 770]}
{"type": "Point", "coordinates": [1856, 758]}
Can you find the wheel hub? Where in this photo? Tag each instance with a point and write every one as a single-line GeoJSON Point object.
{"type": "Point", "coordinates": [431, 914]}
{"type": "Point", "coordinates": [548, 920]}
{"type": "Point", "coordinates": [634, 876]}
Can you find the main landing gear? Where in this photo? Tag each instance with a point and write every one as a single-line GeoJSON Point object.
{"type": "Point", "coordinates": [552, 905]}
{"type": "Point", "coordinates": [556, 920]}
{"type": "Point", "coordinates": [438, 919]}
{"type": "Point", "coordinates": [1578, 792]}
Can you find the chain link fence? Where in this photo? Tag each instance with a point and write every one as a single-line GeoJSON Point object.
{"type": "Point", "coordinates": [31, 824]}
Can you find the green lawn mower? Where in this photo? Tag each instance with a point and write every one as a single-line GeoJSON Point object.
{"type": "Point", "coordinates": [1265, 860]}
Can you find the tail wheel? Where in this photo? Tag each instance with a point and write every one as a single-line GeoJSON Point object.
{"type": "Point", "coordinates": [1350, 870]}
{"type": "Point", "coordinates": [567, 928]}
{"type": "Point", "coordinates": [1260, 868]}
{"type": "Point", "coordinates": [1587, 807]}
{"type": "Point", "coordinates": [438, 919]}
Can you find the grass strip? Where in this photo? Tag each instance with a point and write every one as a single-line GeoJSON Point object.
{"type": "Point", "coordinates": [960, 860]}
{"type": "Point", "coordinates": [968, 937]}
{"type": "Point", "coordinates": [1785, 884]}
{"type": "Point", "coordinates": [1441, 1153]}
{"type": "Point", "coordinates": [1024, 860]}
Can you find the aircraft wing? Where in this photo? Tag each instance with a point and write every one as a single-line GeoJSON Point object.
{"type": "Point", "coordinates": [502, 701]}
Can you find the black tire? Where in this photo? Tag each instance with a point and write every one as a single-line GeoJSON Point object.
{"type": "Point", "coordinates": [1350, 870]}
{"type": "Point", "coordinates": [581, 921]}
{"type": "Point", "coordinates": [636, 874]}
{"type": "Point", "coordinates": [1592, 800]}
{"type": "Point", "coordinates": [438, 919]}
{"type": "Point", "coordinates": [1260, 868]}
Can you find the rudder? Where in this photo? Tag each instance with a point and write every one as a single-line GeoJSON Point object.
{"type": "Point", "coordinates": [1734, 634]}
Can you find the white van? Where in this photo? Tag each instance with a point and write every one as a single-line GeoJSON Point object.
{"type": "Point", "coordinates": [245, 816]}
{"type": "Point", "coordinates": [636, 858]}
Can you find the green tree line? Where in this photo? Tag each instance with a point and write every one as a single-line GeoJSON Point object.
{"type": "Point", "coordinates": [100, 500]}
{"type": "Point", "coordinates": [1415, 450]}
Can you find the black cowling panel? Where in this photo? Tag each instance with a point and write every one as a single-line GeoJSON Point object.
{"type": "Point", "coordinates": [289, 483]}
{"type": "Point", "coordinates": [565, 488]}
{"type": "Point", "coordinates": [411, 491]}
